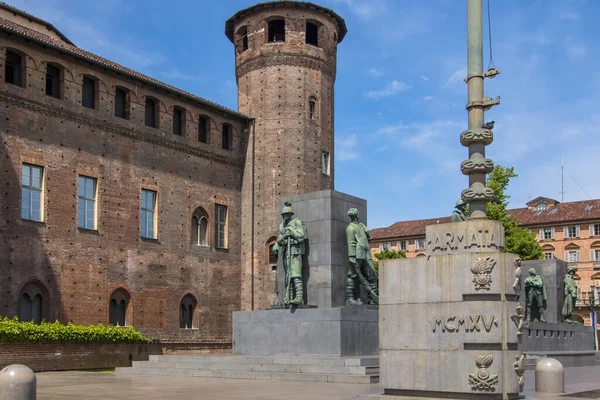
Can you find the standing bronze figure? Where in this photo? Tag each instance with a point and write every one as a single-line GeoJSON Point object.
{"type": "Point", "coordinates": [570, 296]}
{"type": "Point", "coordinates": [459, 214]}
{"type": "Point", "coordinates": [292, 236]}
{"type": "Point", "coordinates": [535, 296]}
{"type": "Point", "coordinates": [361, 262]}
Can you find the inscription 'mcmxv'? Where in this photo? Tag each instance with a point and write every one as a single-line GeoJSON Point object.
{"type": "Point", "coordinates": [468, 323]}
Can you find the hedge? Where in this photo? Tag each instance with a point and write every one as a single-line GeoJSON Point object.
{"type": "Point", "coordinates": [13, 330]}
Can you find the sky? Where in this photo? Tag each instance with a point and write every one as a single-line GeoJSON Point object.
{"type": "Point", "coordinates": [399, 94]}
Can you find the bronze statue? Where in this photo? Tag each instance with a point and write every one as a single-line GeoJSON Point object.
{"type": "Point", "coordinates": [570, 296]}
{"type": "Point", "coordinates": [292, 235]}
{"type": "Point", "coordinates": [535, 296]}
{"type": "Point", "coordinates": [361, 263]}
{"type": "Point", "coordinates": [459, 214]}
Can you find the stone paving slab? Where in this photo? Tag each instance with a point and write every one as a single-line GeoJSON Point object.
{"type": "Point", "coordinates": [96, 385]}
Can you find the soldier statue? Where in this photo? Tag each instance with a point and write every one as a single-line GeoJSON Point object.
{"type": "Point", "coordinates": [570, 296]}
{"type": "Point", "coordinates": [459, 214]}
{"type": "Point", "coordinates": [361, 263]}
{"type": "Point", "coordinates": [535, 296]}
{"type": "Point", "coordinates": [291, 241]}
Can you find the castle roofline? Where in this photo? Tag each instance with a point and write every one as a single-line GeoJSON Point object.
{"type": "Point", "coordinates": [286, 3]}
{"type": "Point", "coordinates": [70, 49]}
{"type": "Point", "coordinates": [33, 18]}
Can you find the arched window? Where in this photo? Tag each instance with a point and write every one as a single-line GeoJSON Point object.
{"type": "Point", "coordinates": [272, 254]}
{"type": "Point", "coordinates": [187, 313]}
{"type": "Point", "coordinates": [204, 129]}
{"type": "Point", "coordinates": [276, 30]}
{"type": "Point", "coordinates": [151, 112]}
{"type": "Point", "coordinates": [200, 227]}
{"type": "Point", "coordinates": [178, 121]}
{"type": "Point", "coordinates": [122, 103]}
{"type": "Point", "coordinates": [14, 68]}
{"type": "Point", "coordinates": [31, 302]}
{"type": "Point", "coordinates": [312, 108]}
{"type": "Point", "coordinates": [241, 39]}
{"type": "Point", "coordinates": [119, 308]}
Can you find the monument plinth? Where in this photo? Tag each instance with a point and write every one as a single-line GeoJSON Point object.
{"type": "Point", "coordinates": [448, 321]}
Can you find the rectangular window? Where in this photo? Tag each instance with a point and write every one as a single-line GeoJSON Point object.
{"type": "Point", "coordinates": [419, 244]}
{"type": "Point", "coordinates": [53, 81]}
{"type": "Point", "coordinates": [547, 234]}
{"type": "Point", "coordinates": [88, 93]}
{"type": "Point", "coordinates": [571, 231]}
{"type": "Point", "coordinates": [311, 109]}
{"type": "Point", "coordinates": [31, 192]}
{"type": "Point", "coordinates": [202, 130]}
{"type": "Point", "coordinates": [225, 137]}
{"type": "Point", "coordinates": [572, 256]}
{"type": "Point", "coordinates": [177, 121]}
{"type": "Point", "coordinates": [276, 29]}
{"type": "Point", "coordinates": [595, 230]}
{"type": "Point", "coordinates": [86, 205]}
{"type": "Point", "coordinates": [384, 246]}
{"type": "Point", "coordinates": [13, 69]}
{"type": "Point", "coordinates": [403, 245]}
{"type": "Point", "coordinates": [325, 163]}
{"type": "Point", "coordinates": [312, 34]}
{"type": "Point", "coordinates": [549, 255]}
{"type": "Point", "coordinates": [121, 103]}
{"type": "Point", "coordinates": [595, 255]}
{"type": "Point", "coordinates": [150, 113]}
{"type": "Point", "coordinates": [148, 214]}
{"type": "Point", "coordinates": [221, 226]}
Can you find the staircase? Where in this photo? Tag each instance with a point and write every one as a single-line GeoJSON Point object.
{"type": "Point", "coordinates": [278, 368]}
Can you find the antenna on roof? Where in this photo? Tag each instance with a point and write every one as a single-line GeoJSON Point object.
{"type": "Point", "coordinates": [562, 181]}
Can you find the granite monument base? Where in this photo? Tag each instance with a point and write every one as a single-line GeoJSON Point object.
{"type": "Point", "coordinates": [541, 336]}
{"type": "Point", "coordinates": [342, 331]}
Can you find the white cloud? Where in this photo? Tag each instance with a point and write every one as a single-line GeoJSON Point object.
{"type": "Point", "coordinates": [458, 76]}
{"type": "Point", "coordinates": [426, 79]}
{"type": "Point", "coordinates": [365, 9]}
{"type": "Point", "coordinates": [428, 98]}
{"type": "Point", "coordinates": [391, 89]}
{"type": "Point", "coordinates": [575, 51]}
{"type": "Point", "coordinates": [375, 73]}
{"type": "Point", "coordinates": [346, 148]}
{"type": "Point", "coordinates": [385, 146]}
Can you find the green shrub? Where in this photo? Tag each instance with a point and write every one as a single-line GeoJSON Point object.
{"type": "Point", "coordinates": [13, 330]}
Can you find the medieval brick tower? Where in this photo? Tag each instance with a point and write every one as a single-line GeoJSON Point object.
{"type": "Point", "coordinates": [285, 68]}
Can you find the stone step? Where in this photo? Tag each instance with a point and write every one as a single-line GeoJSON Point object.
{"type": "Point", "coordinates": [256, 375]}
{"type": "Point", "coordinates": [239, 359]}
{"type": "Point", "coordinates": [262, 367]}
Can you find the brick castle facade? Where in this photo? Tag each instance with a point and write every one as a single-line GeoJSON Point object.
{"type": "Point", "coordinates": [128, 201]}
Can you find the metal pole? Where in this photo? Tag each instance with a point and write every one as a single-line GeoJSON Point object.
{"type": "Point", "coordinates": [476, 138]}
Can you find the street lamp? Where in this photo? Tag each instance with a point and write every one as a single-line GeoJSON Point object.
{"type": "Point", "coordinates": [592, 302]}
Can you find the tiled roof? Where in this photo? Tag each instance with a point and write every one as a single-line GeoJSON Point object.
{"type": "Point", "coordinates": [36, 19]}
{"type": "Point", "coordinates": [19, 30]}
{"type": "Point", "coordinates": [284, 3]}
{"type": "Point", "coordinates": [562, 213]}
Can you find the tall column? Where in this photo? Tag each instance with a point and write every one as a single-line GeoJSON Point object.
{"type": "Point", "coordinates": [476, 137]}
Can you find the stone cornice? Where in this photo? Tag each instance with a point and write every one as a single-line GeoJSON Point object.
{"type": "Point", "coordinates": [295, 60]}
{"type": "Point", "coordinates": [131, 133]}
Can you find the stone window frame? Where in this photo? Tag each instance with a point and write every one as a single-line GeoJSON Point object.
{"type": "Point", "coordinates": [312, 108]}
{"type": "Point", "coordinates": [144, 211]}
{"type": "Point", "coordinates": [22, 69]}
{"type": "Point", "coordinates": [547, 233]}
{"type": "Point", "coordinates": [31, 291]}
{"type": "Point", "coordinates": [325, 163]}
{"type": "Point", "coordinates": [571, 231]}
{"type": "Point", "coordinates": [227, 141]}
{"type": "Point", "coordinates": [221, 226]}
{"type": "Point", "coordinates": [86, 199]}
{"type": "Point", "coordinates": [271, 257]}
{"type": "Point", "coordinates": [319, 32]}
{"type": "Point", "coordinates": [118, 297]}
{"type": "Point", "coordinates": [182, 121]}
{"type": "Point", "coordinates": [594, 229]}
{"type": "Point", "coordinates": [402, 245]}
{"type": "Point", "coordinates": [383, 246]}
{"type": "Point", "coordinates": [96, 84]}
{"type": "Point", "coordinates": [189, 313]}
{"type": "Point", "coordinates": [207, 128]}
{"type": "Point", "coordinates": [420, 244]}
{"type": "Point", "coordinates": [271, 19]}
{"type": "Point", "coordinates": [549, 255]}
{"type": "Point", "coordinates": [241, 39]}
{"type": "Point", "coordinates": [156, 109]}
{"type": "Point", "coordinates": [30, 189]}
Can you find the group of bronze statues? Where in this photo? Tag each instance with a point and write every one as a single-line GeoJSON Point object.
{"type": "Point", "coordinates": [291, 242]}
{"type": "Point", "coordinates": [361, 273]}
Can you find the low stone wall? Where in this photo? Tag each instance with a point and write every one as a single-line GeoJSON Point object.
{"type": "Point", "coordinates": [539, 336]}
{"type": "Point", "coordinates": [58, 356]}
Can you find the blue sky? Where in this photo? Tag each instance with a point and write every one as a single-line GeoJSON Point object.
{"type": "Point", "coordinates": [399, 93]}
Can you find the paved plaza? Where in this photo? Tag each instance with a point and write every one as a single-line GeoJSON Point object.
{"type": "Point", "coordinates": [99, 385]}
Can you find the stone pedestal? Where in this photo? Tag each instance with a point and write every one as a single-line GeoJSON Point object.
{"type": "Point", "coordinates": [325, 214]}
{"type": "Point", "coordinates": [448, 323]}
{"type": "Point", "coordinates": [553, 272]}
{"type": "Point", "coordinates": [342, 331]}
